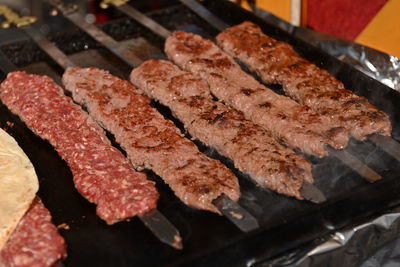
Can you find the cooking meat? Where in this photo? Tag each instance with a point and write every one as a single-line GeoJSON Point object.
{"type": "Point", "coordinates": [288, 121]}
{"type": "Point", "coordinates": [150, 140]}
{"type": "Point", "coordinates": [35, 241]}
{"type": "Point", "coordinates": [101, 173]}
{"type": "Point", "coordinates": [252, 149]}
{"type": "Point", "coordinates": [276, 62]}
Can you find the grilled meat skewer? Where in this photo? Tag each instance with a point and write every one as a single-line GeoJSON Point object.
{"type": "Point", "coordinates": [149, 140]}
{"type": "Point", "coordinates": [101, 173]}
{"type": "Point", "coordinates": [252, 149]}
{"type": "Point", "coordinates": [277, 63]}
{"type": "Point", "coordinates": [296, 125]}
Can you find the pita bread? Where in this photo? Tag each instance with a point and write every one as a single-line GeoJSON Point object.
{"type": "Point", "coordinates": [18, 185]}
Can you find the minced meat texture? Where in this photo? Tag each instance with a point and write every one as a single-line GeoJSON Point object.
{"type": "Point", "coordinates": [252, 149]}
{"type": "Point", "coordinates": [276, 62]}
{"type": "Point", "coordinates": [35, 241]}
{"type": "Point", "coordinates": [288, 121]}
{"type": "Point", "coordinates": [149, 140]}
{"type": "Point", "coordinates": [101, 173]}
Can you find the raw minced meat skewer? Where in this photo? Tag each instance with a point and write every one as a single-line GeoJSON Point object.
{"type": "Point", "coordinates": [101, 173]}
{"type": "Point", "coordinates": [276, 62]}
{"type": "Point", "coordinates": [27, 235]}
{"type": "Point", "coordinates": [35, 241]}
{"type": "Point", "coordinates": [151, 141]}
{"type": "Point", "coordinates": [285, 119]}
{"type": "Point", "coordinates": [251, 148]}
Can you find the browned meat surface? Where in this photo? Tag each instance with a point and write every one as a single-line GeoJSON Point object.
{"type": "Point", "coordinates": [277, 62]}
{"type": "Point", "coordinates": [35, 241]}
{"type": "Point", "coordinates": [284, 118]}
{"type": "Point", "coordinates": [149, 140]}
{"type": "Point", "coordinates": [101, 173]}
{"type": "Point", "coordinates": [251, 148]}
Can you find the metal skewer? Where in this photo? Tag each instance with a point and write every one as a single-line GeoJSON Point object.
{"type": "Point", "coordinates": [133, 61]}
{"type": "Point", "coordinates": [162, 228]}
{"type": "Point", "coordinates": [312, 193]}
{"type": "Point", "coordinates": [138, 16]}
{"type": "Point", "coordinates": [122, 6]}
{"type": "Point", "coordinates": [56, 54]}
{"type": "Point", "coordinates": [309, 191]}
{"type": "Point", "coordinates": [205, 14]}
{"type": "Point", "coordinates": [387, 144]}
{"type": "Point", "coordinates": [355, 164]}
{"type": "Point", "coordinates": [97, 34]}
{"type": "Point", "coordinates": [154, 220]}
{"type": "Point", "coordinates": [236, 214]}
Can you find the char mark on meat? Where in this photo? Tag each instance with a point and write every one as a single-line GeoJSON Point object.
{"type": "Point", "coordinates": [300, 128]}
{"type": "Point", "coordinates": [101, 173]}
{"type": "Point", "coordinates": [253, 150]}
{"type": "Point", "coordinates": [149, 140]}
{"type": "Point", "coordinates": [304, 82]}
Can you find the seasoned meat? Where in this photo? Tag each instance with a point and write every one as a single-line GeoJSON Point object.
{"type": "Point", "coordinates": [101, 173]}
{"type": "Point", "coordinates": [35, 241]}
{"type": "Point", "coordinates": [253, 150]}
{"type": "Point", "coordinates": [277, 62]}
{"type": "Point", "coordinates": [288, 121]}
{"type": "Point", "coordinates": [149, 140]}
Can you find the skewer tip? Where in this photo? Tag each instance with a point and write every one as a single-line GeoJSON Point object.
{"type": "Point", "coordinates": [236, 214]}
{"type": "Point", "coordinates": [162, 228]}
{"type": "Point", "coordinates": [312, 193]}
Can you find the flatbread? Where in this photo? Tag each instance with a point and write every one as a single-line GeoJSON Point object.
{"type": "Point", "coordinates": [18, 185]}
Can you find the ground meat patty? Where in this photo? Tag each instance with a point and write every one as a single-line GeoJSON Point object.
{"type": "Point", "coordinates": [35, 241]}
{"type": "Point", "coordinates": [101, 173]}
{"type": "Point", "coordinates": [277, 62]}
{"type": "Point", "coordinates": [149, 140]}
{"type": "Point", "coordinates": [251, 148]}
{"type": "Point", "coordinates": [287, 120]}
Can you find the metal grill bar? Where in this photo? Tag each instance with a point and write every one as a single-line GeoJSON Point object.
{"type": "Point", "coordinates": [205, 14]}
{"type": "Point", "coordinates": [143, 19]}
